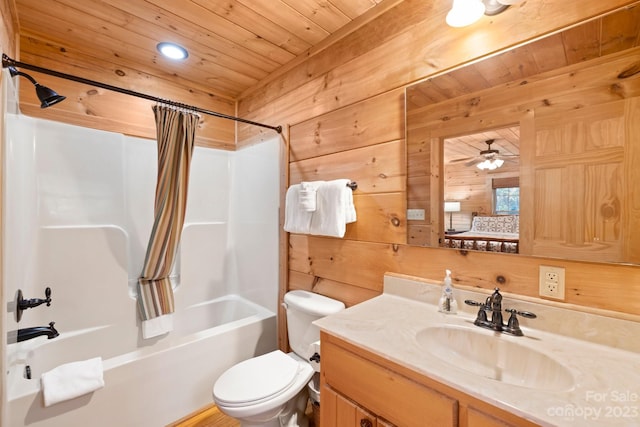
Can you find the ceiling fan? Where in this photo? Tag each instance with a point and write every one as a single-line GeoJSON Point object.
{"type": "Point", "coordinates": [487, 159]}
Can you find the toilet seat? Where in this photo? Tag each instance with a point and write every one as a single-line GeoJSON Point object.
{"type": "Point", "coordinates": [256, 380]}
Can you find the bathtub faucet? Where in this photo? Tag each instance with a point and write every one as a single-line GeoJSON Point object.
{"type": "Point", "coordinates": [30, 333]}
{"type": "Point", "coordinates": [23, 304]}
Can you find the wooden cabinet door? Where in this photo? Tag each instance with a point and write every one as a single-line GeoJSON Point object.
{"type": "Point", "coordinates": [393, 396]}
{"type": "Point", "coordinates": [328, 407]}
{"type": "Point", "coordinates": [338, 411]}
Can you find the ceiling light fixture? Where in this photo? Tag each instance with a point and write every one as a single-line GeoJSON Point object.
{"type": "Point", "coordinates": [172, 51]}
{"type": "Point", "coordinates": [465, 12]}
{"type": "Point", "coordinates": [490, 164]}
{"type": "Point", "coordinates": [494, 7]}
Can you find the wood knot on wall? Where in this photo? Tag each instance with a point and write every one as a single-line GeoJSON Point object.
{"type": "Point", "coordinates": [474, 101]}
{"type": "Point", "coordinates": [316, 134]}
{"type": "Point", "coordinates": [631, 71]}
{"type": "Point", "coordinates": [617, 89]}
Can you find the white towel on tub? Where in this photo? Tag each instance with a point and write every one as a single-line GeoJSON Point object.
{"type": "Point", "coordinates": [72, 380]}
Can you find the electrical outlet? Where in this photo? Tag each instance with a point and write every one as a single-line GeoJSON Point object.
{"type": "Point", "coordinates": [415, 214]}
{"type": "Point", "coordinates": [552, 282]}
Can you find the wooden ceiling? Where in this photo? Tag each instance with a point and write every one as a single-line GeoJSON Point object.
{"type": "Point", "coordinates": [232, 44]}
{"type": "Point", "coordinates": [506, 141]}
{"type": "Point", "coordinates": [235, 45]}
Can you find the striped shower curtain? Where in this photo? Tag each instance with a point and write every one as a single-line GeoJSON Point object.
{"type": "Point", "coordinates": [176, 130]}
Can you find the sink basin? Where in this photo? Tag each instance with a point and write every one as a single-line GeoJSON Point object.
{"type": "Point", "coordinates": [496, 357]}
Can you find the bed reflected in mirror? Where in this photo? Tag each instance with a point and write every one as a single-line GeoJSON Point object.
{"type": "Point", "coordinates": [482, 191]}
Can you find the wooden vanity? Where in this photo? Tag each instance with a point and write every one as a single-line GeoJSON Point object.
{"type": "Point", "coordinates": [395, 360]}
{"type": "Point", "coordinates": [361, 389]}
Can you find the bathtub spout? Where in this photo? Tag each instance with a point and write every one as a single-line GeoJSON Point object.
{"type": "Point", "coordinates": [29, 333]}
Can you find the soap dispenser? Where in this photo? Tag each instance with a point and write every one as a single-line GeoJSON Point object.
{"type": "Point", "coordinates": [447, 303]}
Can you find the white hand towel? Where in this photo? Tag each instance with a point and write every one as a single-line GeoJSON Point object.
{"type": "Point", "coordinates": [330, 217]}
{"type": "Point", "coordinates": [296, 220]}
{"type": "Point", "coordinates": [307, 196]}
{"type": "Point", "coordinates": [72, 380]}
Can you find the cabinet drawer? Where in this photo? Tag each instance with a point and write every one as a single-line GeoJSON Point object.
{"type": "Point", "coordinates": [390, 395]}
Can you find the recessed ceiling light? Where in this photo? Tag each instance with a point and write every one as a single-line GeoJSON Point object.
{"type": "Point", "coordinates": [172, 50]}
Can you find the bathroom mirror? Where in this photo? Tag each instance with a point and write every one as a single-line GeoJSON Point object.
{"type": "Point", "coordinates": [561, 121]}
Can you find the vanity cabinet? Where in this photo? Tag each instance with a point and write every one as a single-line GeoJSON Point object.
{"type": "Point", "coordinates": [362, 389]}
{"type": "Point", "coordinates": [341, 411]}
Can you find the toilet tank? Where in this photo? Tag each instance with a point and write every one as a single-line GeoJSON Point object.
{"type": "Point", "coordinates": [303, 308]}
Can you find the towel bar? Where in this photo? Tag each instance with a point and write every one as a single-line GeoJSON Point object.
{"type": "Point", "coordinates": [352, 185]}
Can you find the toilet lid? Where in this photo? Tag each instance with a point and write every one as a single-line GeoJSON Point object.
{"type": "Point", "coordinates": [256, 379]}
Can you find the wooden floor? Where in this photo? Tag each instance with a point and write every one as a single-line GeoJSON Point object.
{"type": "Point", "coordinates": [210, 416]}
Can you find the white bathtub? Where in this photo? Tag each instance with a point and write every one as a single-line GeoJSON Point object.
{"type": "Point", "coordinates": [147, 382]}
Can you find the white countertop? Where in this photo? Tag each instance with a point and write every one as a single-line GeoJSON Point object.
{"type": "Point", "coordinates": [607, 378]}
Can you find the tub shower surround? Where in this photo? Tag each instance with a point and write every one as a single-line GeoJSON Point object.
{"type": "Point", "coordinates": [79, 213]}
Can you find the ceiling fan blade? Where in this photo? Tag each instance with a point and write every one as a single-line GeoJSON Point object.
{"type": "Point", "coordinates": [511, 159]}
{"type": "Point", "coordinates": [474, 161]}
{"type": "Point", "coordinates": [464, 159]}
{"type": "Point", "coordinates": [508, 156]}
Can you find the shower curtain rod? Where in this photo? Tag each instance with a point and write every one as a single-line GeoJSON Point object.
{"type": "Point", "coordinates": [8, 62]}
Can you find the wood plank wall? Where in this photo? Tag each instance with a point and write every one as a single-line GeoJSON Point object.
{"type": "Point", "coordinates": [103, 109]}
{"type": "Point", "coordinates": [345, 108]}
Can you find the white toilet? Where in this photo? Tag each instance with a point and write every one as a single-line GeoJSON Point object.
{"type": "Point", "coordinates": [270, 390]}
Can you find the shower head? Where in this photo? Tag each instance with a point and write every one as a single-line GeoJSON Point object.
{"type": "Point", "coordinates": [47, 96]}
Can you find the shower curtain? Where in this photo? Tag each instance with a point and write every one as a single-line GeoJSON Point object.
{"type": "Point", "coordinates": [175, 138]}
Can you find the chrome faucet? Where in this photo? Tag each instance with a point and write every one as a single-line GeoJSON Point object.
{"type": "Point", "coordinates": [493, 303]}
{"type": "Point", "coordinates": [30, 333]}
